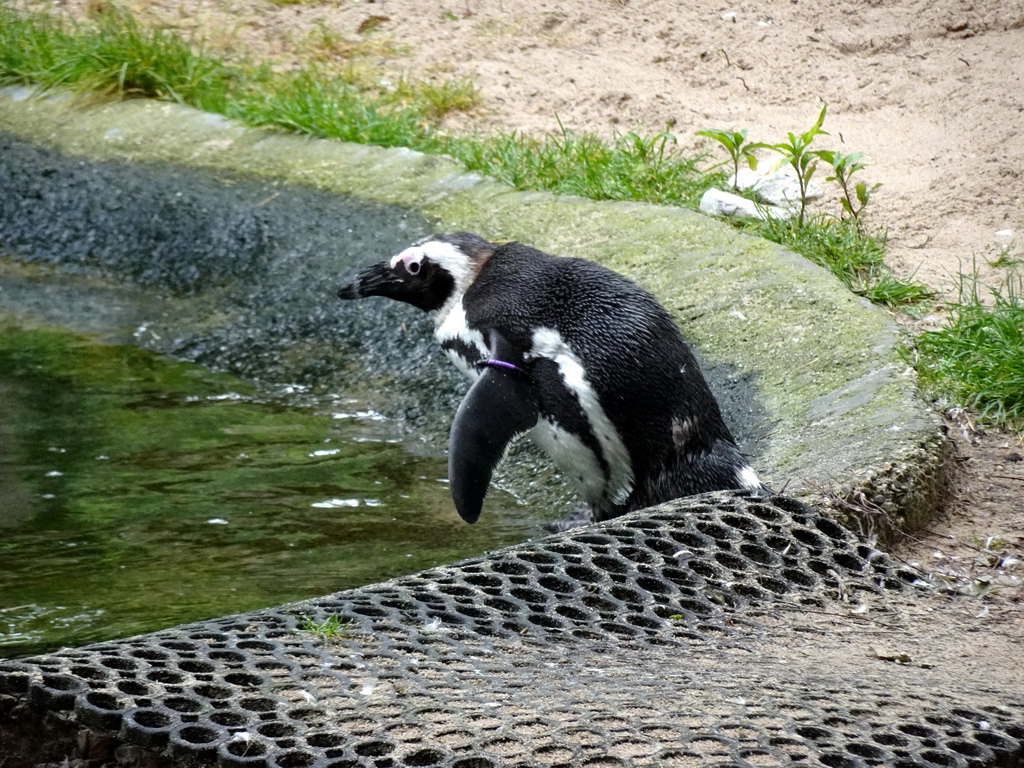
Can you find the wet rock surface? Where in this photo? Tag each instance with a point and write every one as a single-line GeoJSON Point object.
{"type": "Point", "coordinates": [254, 262]}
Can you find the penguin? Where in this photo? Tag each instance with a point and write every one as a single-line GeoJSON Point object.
{"type": "Point", "coordinates": [576, 357]}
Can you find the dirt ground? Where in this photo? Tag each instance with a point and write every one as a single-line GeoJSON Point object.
{"type": "Point", "coordinates": [931, 91]}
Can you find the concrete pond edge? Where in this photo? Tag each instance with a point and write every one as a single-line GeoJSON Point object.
{"type": "Point", "coordinates": [847, 428]}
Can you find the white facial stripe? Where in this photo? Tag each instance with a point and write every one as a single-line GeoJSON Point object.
{"type": "Point", "coordinates": [748, 479]}
{"type": "Point", "coordinates": [453, 327]}
{"type": "Point", "coordinates": [548, 343]}
{"type": "Point", "coordinates": [448, 256]}
{"type": "Point", "coordinates": [451, 260]}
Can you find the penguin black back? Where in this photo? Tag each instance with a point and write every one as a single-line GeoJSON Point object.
{"type": "Point", "coordinates": [588, 364]}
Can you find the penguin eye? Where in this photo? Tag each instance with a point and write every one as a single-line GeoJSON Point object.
{"type": "Point", "coordinates": [410, 260]}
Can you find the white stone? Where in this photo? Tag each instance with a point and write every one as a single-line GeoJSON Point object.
{"type": "Point", "coordinates": [778, 186]}
{"type": "Point", "coordinates": [718, 203]}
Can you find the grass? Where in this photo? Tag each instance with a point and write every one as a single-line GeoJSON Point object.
{"type": "Point", "coordinates": [324, 43]}
{"type": "Point", "coordinates": [113, 55]}
{"type": "Point", "coordinates": [855, 256]}
{"type": "Point", "coordinates": [569, 163]}
{"type": "Point", "coordinates": [317, 105]}
{"type": "Point", "coordinates": [435, 100]}
{"type": "Point", "coordinates": [976, 359]}
{"type": "Point", "coordinates": [1005, 258]}
{"type": "Point", "coordinates": [632, 167]}
{"type": "Point", "coordinates": [330, 627]}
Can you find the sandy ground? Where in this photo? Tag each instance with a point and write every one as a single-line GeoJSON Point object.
{"type": "Point", "coordinates": [931, 91]}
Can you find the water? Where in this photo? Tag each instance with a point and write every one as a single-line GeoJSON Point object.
{"type": "Point", "coordinates": [138, 492]}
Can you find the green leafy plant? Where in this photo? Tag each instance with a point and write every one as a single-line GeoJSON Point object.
{"type": "Point", "coordinates": [332, 626]}
{"type": "Point", "coordinates": [796, 153]}
{"type": "Point", "coordinates": [843, 169]}
{"type": "Point", "coordinates": [854, 255]}
{"type": "Point", "coordinates": [739, 149]}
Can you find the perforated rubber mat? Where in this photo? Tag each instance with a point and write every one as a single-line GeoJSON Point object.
{"type": "Point", "coordinates": [718, 631]}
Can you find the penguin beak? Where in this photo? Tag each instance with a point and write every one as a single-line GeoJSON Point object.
{"type": "Point", "coordinates": [376, 280]}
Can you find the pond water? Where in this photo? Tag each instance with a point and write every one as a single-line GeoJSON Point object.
{"type": "Point", "coordinates": [137, 492]}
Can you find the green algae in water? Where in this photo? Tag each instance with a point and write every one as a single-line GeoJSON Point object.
{"type": "Point", "coordinates": [137, 493]}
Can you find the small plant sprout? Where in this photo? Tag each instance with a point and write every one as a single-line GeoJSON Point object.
{"type": "Point", "coordinates": [796, 153]}
{"type": "Point", "coordinates": [648, 149]}
{"type": "Point", "coordinates": [332, 626]}
{"type": "Point", "coordinates": [736, 144]}
{"type": "Point", "coordinates": [436, 100]}
{"type": "Point", "coordinates": [1005, 258]}
{"type": "Point", "coordinates": [843, 169]}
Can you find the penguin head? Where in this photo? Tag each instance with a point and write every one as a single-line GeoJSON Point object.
{"type": "Point", "coordinates": [430, 274]}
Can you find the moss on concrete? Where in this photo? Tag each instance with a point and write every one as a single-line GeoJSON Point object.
{"type": "Point", "coordinates": [840, 405]}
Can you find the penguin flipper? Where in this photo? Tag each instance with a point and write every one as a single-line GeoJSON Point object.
{"type": "Point", "coordinates": [501, 405]}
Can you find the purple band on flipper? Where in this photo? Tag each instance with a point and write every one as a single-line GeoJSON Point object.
{"type": "Point", "coordinates": [492, 363]}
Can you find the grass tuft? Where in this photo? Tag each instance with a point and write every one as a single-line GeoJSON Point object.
{"type": "Point", "coordinates": [436, 100]}
{"type": "Point", "coordinates": [977, 360]}
{"type": "Point", "coordinates": [330, 627]}
{"type": "Point", "coordinates": [113, 55]}
{"type": "Point", "coordinates": [855, 256]}
{"type": "Point", "coordinates": [310, 103]}
{"type": "Point", "coordinates": [632, 167]}
{"type": "Point", "coordinates": [324, 43]}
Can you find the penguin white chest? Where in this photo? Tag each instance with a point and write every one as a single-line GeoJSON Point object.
{"type": "Point", "coordinates": [598, 485]}
{"type": "Point", "coordinates": [603, 476]}
{"type": "Point", "coordinates": [574, 459]}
